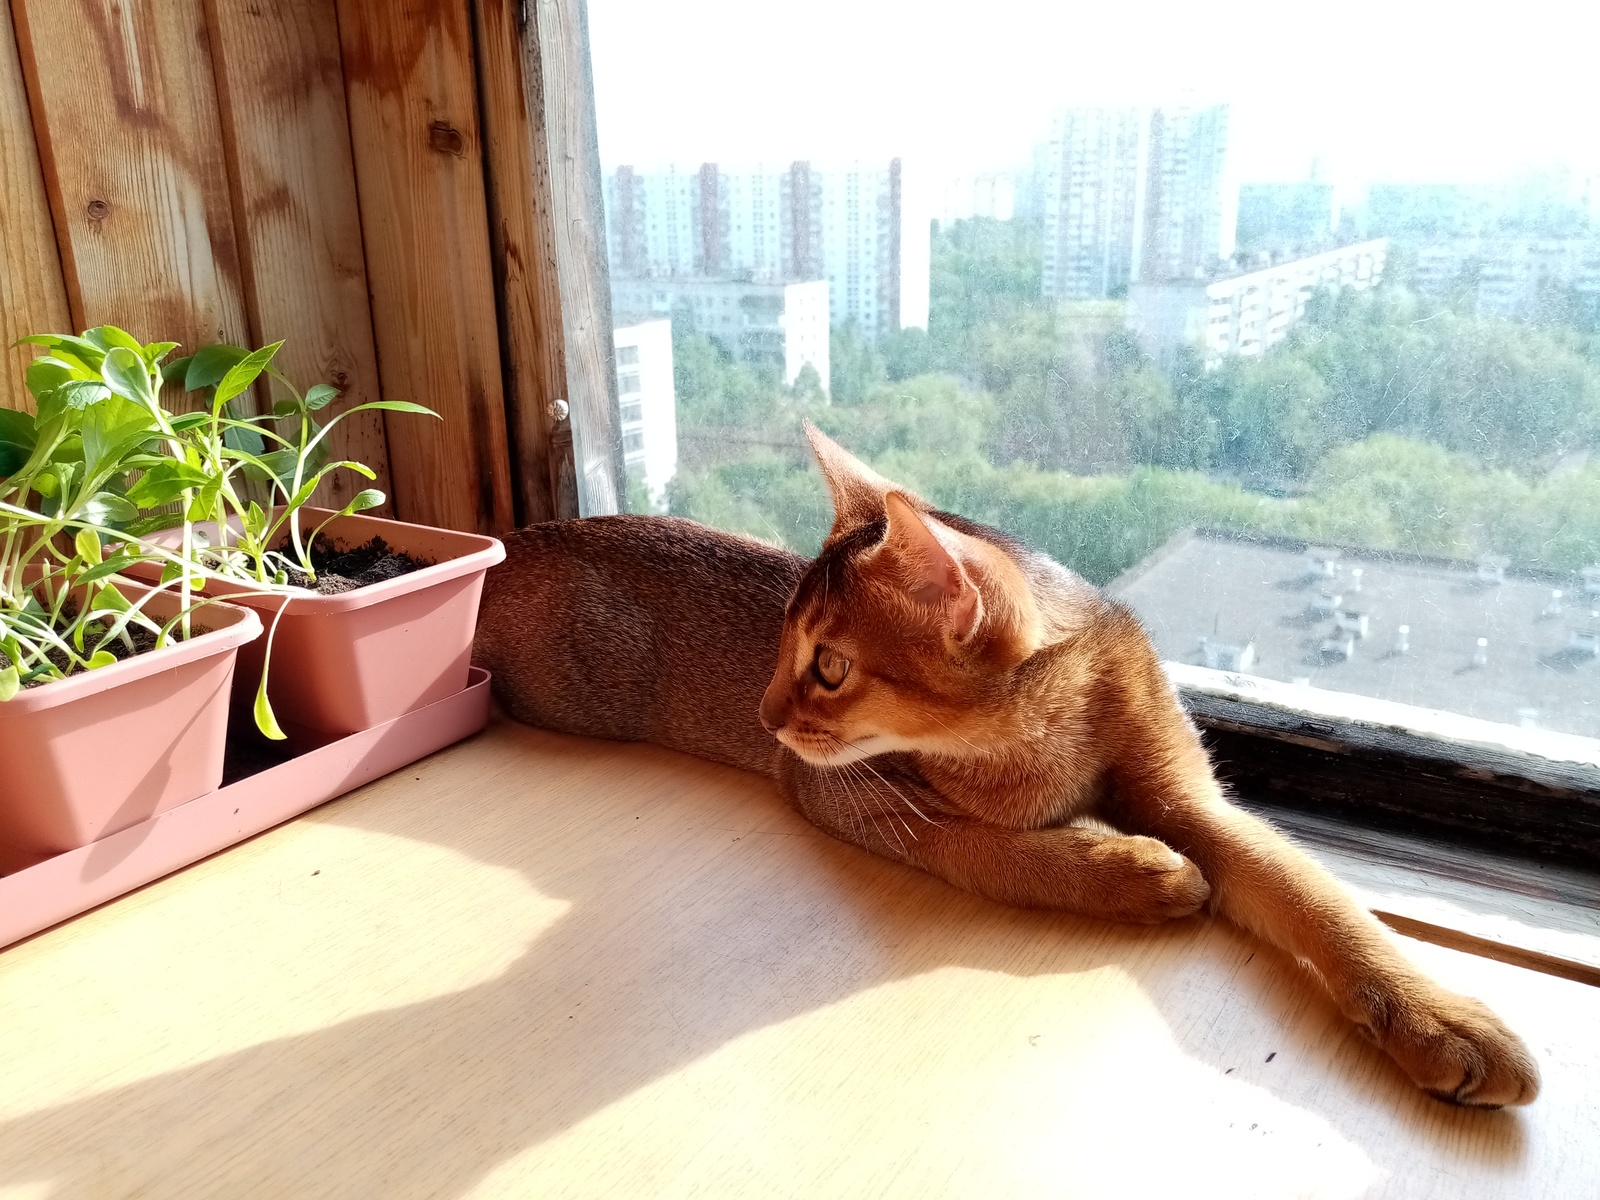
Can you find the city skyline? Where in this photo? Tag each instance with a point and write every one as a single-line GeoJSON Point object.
{"type": "Point", "coordinates": [1413, 92]}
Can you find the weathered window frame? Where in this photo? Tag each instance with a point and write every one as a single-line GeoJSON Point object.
{"type": "Point", "coordinates": [1368, 762]}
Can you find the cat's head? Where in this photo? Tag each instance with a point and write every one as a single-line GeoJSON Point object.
{"type": "Point", "coordinates": [899, 636]}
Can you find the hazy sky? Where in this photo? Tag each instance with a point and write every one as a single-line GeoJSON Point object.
{"type": "Point", "coordinates": [1412, 90]}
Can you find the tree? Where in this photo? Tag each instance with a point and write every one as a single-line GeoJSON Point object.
{"type": "Point", "coordinates": [853, 365]}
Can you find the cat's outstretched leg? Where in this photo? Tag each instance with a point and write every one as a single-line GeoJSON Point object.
{"type": "Point", "coordinates": [1072, 869]}
{"type": "Point", "coordinates": [1452, 1046]}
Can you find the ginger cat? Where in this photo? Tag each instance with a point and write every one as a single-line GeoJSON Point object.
{"type": "Point", "coordinates": [937, 693]}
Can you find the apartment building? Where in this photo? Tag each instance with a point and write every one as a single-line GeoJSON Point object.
{"type": "Point", "coordinates": [1514, 276]}
{"type": "Point", "coordinates": [863, 227]}
{"type": "Point", "coordinates": [648, 402]}
{"type": "Point", "coordinates": [1134, 194]}
{"type": "Point", "coordinates": [1281, 218]}
{"type": "Point", "coordinates": [1245, 313]}
{"type": "Point", "coordinates": [785, 324]}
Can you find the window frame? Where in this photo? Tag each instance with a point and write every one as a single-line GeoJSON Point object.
{"type": "Point", "coordinates": [1372, 763]}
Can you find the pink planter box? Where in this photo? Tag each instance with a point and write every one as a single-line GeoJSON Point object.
{"type": "Point", "coordinates": [47, 892]}
{"type": "Point", "coordinates": [98, 752]}
{"type": "Point", "coordinates": [345, 663]}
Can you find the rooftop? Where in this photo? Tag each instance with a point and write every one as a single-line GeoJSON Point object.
{"type": "Point", "coordinates": [1399, 627]}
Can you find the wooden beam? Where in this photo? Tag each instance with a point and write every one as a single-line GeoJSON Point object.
{"type": "Point", "coordinates": [556, 54]}
{"type": "Point", "coordinates": [412, 93]}
{"type": "Point", "coordinates": [33, 298]}
{"type": "Point", "coordinates": [287, 142]}
{"type": "Point", "coordinates": [522, 240]}
{"type": "Point", "coordinates": [125, 110]}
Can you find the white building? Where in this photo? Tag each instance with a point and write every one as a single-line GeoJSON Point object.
{"type": "Point", "coordinates": [649, 405]}
{"type": "Point", "coordinates": [864, 228]}
{"type": "Point", "coordinates": [1244, 314]}
{"type": "Point", "coordinates": [1134, 194]}
{"type": "Point", "coordinates": [781, 323]}
{"type": "Point", "coordinates": [1513, 274]}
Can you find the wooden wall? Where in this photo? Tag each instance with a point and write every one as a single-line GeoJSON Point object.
{"type": "Point", "coordinates": [321, 172]}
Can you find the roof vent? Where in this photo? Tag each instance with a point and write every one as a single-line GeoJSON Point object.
{"type": "Point", "coordinates": [1591, 581]}
{"type": "Point", "coordinates": [1341, 646]}
{"type": "Point", "coordinates": [1355, 623]}
{"type": "Point", "coordinates": [1325, 562]}
{"type": "Point", "coordinates": [1223, 656]}
{"type": "Point", "coordinates": [1402, 640]}
{"type": "Point", "coordinates": [1327, 604]}
{"type": "Point", "coordinates": [1355, 579]}
{"type": "Point", "coordinates": [1553, 606]}
{"type": "Point", "coordinates": [1528, 718]}
{"type": "Point", "coordinates": [1492, 568]}
{"type": "Point", "coordinates": [1584, 642]}
{"type": "Point", "coordinates": [1480, 653]}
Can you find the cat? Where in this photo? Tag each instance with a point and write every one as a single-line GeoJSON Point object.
{"type": "Point", "coordinates": [937, 693]}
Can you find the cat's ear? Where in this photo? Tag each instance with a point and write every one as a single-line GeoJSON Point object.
{"type": "Point", "coordinates": [857, 489]}
{"type": "Point", "coordinates": [924, 554]}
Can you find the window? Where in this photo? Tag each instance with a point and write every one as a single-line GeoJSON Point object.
{"type": "Point", "coordinates": [627, 382]}
{"type": "Point", "coordinates": [628, 356]}
{"type": "Point", "coordinates": [1284, 401]}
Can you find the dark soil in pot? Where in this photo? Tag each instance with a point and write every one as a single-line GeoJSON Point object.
{"type": "Point", "coordinates": [143, 641]}
{"type": "Point", "coordinates": [345, 568]}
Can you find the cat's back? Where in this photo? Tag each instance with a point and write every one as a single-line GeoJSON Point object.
{"type": "Point", "coordinates": [639, 628]}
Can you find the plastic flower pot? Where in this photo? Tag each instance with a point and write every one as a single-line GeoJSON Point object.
{"type": "Point", "coordinates": [84, 757]}
{"type": "Point", "coordinates": [344, 663]}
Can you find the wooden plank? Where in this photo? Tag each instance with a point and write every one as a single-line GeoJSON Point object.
{"type": "Point", "coordinates": [556, 53]}
{"type": "Point", "coordinates": [126, 113]}
{"type": "Point", "coordinates": [32, 296]}
{"type": "Point", "coordinates": [1433, 796]}
{"type": "Point", "coordinates": [413, 104]}
{"type": "Point", "coordinates": [537, 965]}
{"type": "Point", "coordinates": [287, 141]}
{"type": "Point", "coordinates": [522, 238]}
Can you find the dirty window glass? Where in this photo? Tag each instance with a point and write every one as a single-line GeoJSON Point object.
{"type": "Point", "coordinates": [1284, 328]}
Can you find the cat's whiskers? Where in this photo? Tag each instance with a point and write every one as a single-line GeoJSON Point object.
{"type": "Point", "coordinates": [976, 748]}
{"type": "Point", "coordinates": [862, 808]}
{"type": "Point", "coordinates": [883, 805]}
{"type": "Point", "coordinates": [906, 800]}
{"type": "Point", "coordinates": [846, 772]}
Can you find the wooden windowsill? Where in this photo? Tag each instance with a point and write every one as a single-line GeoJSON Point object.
{"type": "Point", "coordinates": [541, 966]}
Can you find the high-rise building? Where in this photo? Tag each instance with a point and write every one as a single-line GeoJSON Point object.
{"type": "Point", "coordinates": [1281, 218]}
{"type": "Point", "coordinates": [649, 406]}
{"type": "Point", "coordinates": [1134, 194]}
{"type": "Point", "coordinates": [862, 228]}
{"type": "Point", "coordinates": [1413, 211]}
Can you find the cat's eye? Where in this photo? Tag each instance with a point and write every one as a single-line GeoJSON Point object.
{"type": "Point", "coordinates": [830, 667]}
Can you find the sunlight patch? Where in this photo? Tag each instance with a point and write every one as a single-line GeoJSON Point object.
{"type": "Point", "coordinates": [312, 925]}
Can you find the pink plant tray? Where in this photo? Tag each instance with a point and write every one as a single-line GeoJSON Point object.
{"type": "Point", "coordinates": [49, 892]}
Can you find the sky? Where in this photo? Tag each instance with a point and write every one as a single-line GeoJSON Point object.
{"type": "Point", "coordinates": [1397, 90]}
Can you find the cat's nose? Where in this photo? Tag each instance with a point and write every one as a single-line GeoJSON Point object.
{"type": "Point", "coordinates": [774, 712]}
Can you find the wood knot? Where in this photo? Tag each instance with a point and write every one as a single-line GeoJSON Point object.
{"type": "Point", "coordinates": [446, 139]}
{"type": "Point", "coordinates": [98, 210]}
{"type": "Point", "coordinates": [339, 379]}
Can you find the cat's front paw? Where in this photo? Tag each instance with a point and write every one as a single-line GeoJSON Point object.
{"type": "Point", "coordinates": [1150, 881]}
{"type": "Point", "coordinates": [1457, 1050]}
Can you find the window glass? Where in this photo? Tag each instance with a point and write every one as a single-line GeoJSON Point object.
{"type": "Point", "coordinates": [1284, 329]}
